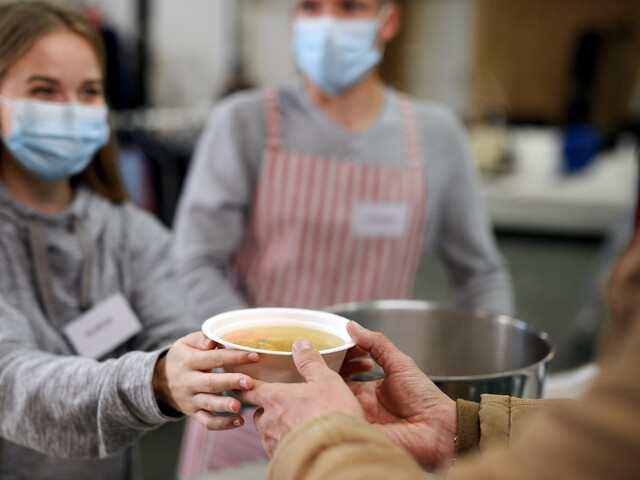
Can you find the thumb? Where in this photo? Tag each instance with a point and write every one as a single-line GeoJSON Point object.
{"type": "Point", "coordinates": [199, 340]}
{"type": "Point", "coordinates": [308, 360]}
{"type": "Point", "coordinates": [382, 350]}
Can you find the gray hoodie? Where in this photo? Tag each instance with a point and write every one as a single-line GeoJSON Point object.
{"type": "Point", "coordinates": [63, 416]}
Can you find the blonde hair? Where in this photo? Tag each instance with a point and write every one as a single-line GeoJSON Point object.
{"type": "Point", "coordinates": [21, 25]}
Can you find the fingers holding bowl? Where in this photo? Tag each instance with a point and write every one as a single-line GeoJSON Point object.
{"type": "Point", "coordinates": [216, 403]}
{"type": "Point", "coordinates": [221, 382]}
{"type": "Point", "coordinates": [211, 421]}
{"type": "Point", "coordinates": [382, 350]}
{"type": "Point", "coordinates": [199, 341]}
{"type": "Point", "coordinates": [356, 367]}
{"type": "Point", "coordinates": [220, 358]}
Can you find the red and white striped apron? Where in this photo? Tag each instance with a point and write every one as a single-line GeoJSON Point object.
{"type": "Point", "coordinates": [299, 251]}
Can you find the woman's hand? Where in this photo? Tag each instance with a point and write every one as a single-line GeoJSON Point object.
{"type": "Point", "coordinates": [405, 406]}
{"type": "Point", "coordinates": [183, 381]}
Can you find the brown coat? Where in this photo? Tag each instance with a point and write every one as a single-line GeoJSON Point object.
{"type": "Point", "coordinates": [597, 437]}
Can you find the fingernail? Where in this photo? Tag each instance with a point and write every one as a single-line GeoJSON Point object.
{"type": "Point", "coordinates": [357, 327]}
{"type": "Point", "coordinates": [254, 357]}
{"type": "Point", "coordinates": [232, 407]}
{"type": "Point", "coordinates": [243, 383]}
{"type": "Point", "coordinates": [301, 344]}
{"type": "Point", "coordinates": [237, 422]}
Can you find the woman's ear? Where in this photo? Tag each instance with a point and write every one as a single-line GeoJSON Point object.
{"type": "Point", "coordinates": [5, 119]}
{"type": "Point", "coordinates": [391, 23]}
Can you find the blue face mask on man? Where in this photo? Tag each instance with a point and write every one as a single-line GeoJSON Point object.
{"type": "Point", "coordinates": [55, 140]}
{"type": "Point", "coordinates": [335, 53]}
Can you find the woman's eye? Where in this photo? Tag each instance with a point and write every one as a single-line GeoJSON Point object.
{"type": "Point", "coordinates": [42, 91]}
{"type": "Point", "coordinates": [308, 7]}
{"type": "Point", "coordinates": [352, 6]}
{"type": "Point", "coordinates": [92, 92]}
{"type": "Point", "coordinates": [89, 94]}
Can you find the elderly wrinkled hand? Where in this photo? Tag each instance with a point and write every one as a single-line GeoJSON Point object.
{"type": "Point", "coordinates": [285, 406]}
{"type": "Point", "coordinates": [183, 381]}
{"type": "Point", "coordinates": [405, 406]}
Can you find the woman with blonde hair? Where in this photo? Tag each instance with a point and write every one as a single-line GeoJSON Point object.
{"type": "Point", "coordinates": [89, 305]}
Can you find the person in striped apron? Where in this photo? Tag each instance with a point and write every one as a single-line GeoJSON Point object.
{"type": "Point", "coordinates": [326, 191]}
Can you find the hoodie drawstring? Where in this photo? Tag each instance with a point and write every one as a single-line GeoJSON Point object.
{"type": "Point", "coordinates": [87, 254]}
{"type": "Point", "coordinates": [37, 244]}
{"type": "Point", "coordinates": [38, 247]}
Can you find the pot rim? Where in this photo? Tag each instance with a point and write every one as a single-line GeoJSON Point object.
{"type": "Point", "coordinates": [343, 308]}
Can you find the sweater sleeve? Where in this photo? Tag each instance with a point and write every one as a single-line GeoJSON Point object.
{"type": "Point", "coordinates": [215, 204]}
{"type": "Point", "coordinates": [71, 406]}
{"type": "Point", "coordinates": [466, 244]}
{"type": "Point", "coordinates": [340, 447]}
{"type": "Point", "coordinates": [154, 289]}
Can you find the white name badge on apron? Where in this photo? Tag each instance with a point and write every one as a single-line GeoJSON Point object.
{"type": "Point", "coordinates": [103, 328]}
{"type": "Point", "coordinates": [380, 220]}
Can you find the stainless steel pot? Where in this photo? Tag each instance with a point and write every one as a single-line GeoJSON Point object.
{"type": "Point", "coordinates": [466, 353]}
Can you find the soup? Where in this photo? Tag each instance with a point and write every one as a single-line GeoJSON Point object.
{"type": "Point", "coordinates": [280, 339]}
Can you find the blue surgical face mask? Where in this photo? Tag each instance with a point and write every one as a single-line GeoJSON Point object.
{"type": "Point", "coordinates": [55, 140]}
{"type": "Point", "coordinates": [335, 53]}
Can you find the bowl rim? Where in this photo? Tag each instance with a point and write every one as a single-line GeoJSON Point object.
{"type": "Point", "coordinates": [317, 313]}
{"type": "Point", "coordinates": [427, 305]}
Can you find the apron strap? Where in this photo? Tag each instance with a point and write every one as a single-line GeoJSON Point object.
{"type": "Point", "coordinates": [411, 131]}
{"type": "Point", "coordinates": [272, 118]}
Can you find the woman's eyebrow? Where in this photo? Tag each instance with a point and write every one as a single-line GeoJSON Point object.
{"type": "Point", "coordinates": [41, 78]}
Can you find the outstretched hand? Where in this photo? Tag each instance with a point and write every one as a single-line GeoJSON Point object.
{"type": "Point", "coordinates": [405, 406]}
{"type": "Point", "coordinates": [287, 405]}
{"type": "Point", "coordinates": [183, 380]}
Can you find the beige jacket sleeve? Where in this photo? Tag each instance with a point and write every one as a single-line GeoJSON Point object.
{"type": "Point", "coordinates": [595, 438]}
{"type": "Point", "coordinates": [338, 446]}
{"type": "Point", "coordinates": [497, 420]}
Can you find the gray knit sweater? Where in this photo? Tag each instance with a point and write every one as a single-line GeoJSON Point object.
{"type": "Point", "coordinates": [63, 416]}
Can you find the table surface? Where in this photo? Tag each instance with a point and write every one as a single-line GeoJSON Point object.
{"type": "Point", "coordinates": [536, 196]}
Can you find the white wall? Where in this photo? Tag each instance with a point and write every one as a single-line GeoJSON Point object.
{"type": "Point", "coordinates": [439, 50]}
{"type": "Point", "coordinates": [192, 46]}
{"type": "Point", "coordinates": [185, 65]}
{"type": "Point", "coordinates": [267, 46]}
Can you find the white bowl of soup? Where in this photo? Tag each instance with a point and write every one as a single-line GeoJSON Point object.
{"type": "Point", "coordinates": [271, 333]}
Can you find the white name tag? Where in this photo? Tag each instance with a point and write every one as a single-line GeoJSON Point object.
{"type": "Point", "coordinates": [103, 328]}
{"type": "Point", "coordinates": [380, 220]}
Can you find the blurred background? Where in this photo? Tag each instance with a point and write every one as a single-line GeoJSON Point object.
{"type": "Point", "coordinates": [549, 90]}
